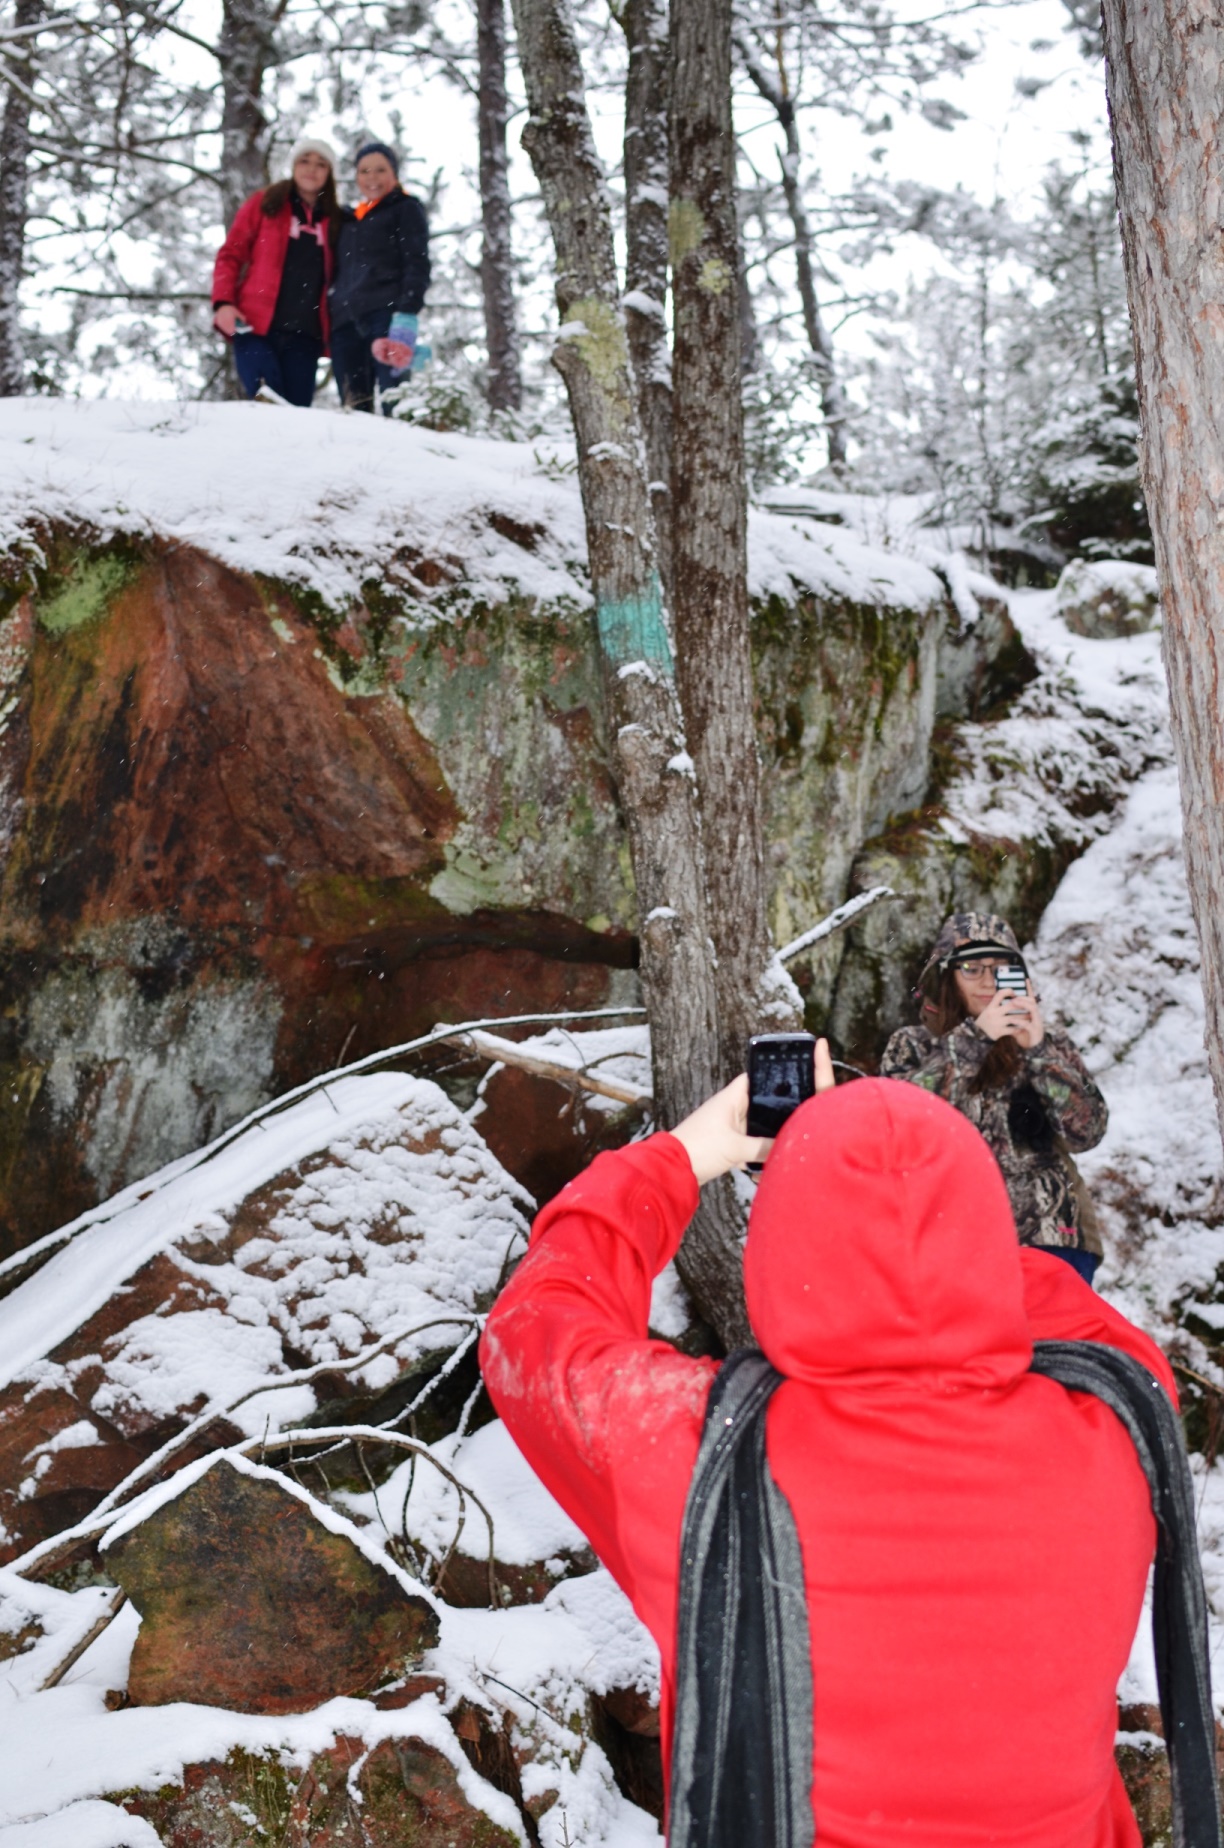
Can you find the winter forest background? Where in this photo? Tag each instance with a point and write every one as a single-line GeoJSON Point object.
{"type": "Point", "coordinates": [931, 298]}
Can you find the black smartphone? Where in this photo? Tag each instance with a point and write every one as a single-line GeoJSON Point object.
{"type": "Point", "coordinates": [1012, 978]}
{"type": "Point", "coordinates": [781, 1075]}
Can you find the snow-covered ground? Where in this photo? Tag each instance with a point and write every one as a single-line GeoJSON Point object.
{"type": "Point", "coordinates": [329, 502]}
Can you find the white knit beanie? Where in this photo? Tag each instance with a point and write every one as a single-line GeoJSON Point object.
{"type": "Point", "coordinates": [311, 144]}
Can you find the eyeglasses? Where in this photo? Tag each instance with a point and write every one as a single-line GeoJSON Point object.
{"type": "Point", "coordinates": [975, 967]}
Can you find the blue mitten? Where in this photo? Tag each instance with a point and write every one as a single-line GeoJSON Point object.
{"type": "Point", "coordinates": [403, 328]}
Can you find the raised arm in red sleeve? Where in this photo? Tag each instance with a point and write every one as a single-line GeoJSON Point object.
{"type": "Point", "coordinates": [609, 1420]}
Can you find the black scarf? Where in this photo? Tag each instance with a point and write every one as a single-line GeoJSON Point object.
{"type": "Point", "coordinates": [742, 1750]}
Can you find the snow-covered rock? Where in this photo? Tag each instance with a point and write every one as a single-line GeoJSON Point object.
{"type": "Point", "coordinates": [1108, 597]}
{"type": "Point", "coordinates": [368, 1219]}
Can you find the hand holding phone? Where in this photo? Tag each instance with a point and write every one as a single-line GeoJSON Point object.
{"type": "Point", "coordinates": [781, 1076]}
{"type": "Point", "coordinates": [716, 1136]}
{"type": "Point", "coordinates": [1013, 1009]}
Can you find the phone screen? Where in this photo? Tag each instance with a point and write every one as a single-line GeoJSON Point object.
{"type": "Point", "coordinates": [781, 1075]}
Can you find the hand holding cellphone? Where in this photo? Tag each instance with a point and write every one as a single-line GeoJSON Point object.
{"type": "Point", "coordinates": [781, 1076]}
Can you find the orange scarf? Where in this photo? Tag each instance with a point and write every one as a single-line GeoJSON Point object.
{"type": "Point", "coordinates": [367, 205]}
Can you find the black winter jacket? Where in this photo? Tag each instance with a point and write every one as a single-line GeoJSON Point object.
{"type": "Point", "coordinates": [382, 261]}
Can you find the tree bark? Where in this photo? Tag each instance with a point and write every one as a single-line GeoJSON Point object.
{"type": "Point", "coordinates": [1164, 60]}
{"type": "Point", "coordinates": [646, 164]}
{"type": "Point", "coordinates": [710, 528]}
{"type": "Point", "coordinates": [245, 49]}
{"type": "Point", "coordinates": [832, 397]}
{"type": "Point", "coordinates": [654, 773]}
{"type": "Point", "coordinates": [505, 386]}
{"type": "Point", "coordinates": [14, 191]}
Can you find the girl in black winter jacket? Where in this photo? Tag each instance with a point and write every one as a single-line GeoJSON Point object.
{"type": "Point", "coordinates": [382, 273]}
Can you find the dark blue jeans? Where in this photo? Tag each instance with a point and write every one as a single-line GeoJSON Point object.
{"type": "Point", "coordinates": [1085, 1262]}
{"type": "Point", "coordinates": [356, 369]}
{"type": "Point", "coordinates": [285, 363]}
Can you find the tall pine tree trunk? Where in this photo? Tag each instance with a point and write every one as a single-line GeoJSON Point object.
{"type": "Point", "coordinates": [709, 533]}
{"type": "Point", "coordinates": [245, 49]}
{"type": "Point", "coordinates": [505, 386]}
{"type": "Point", "coordinates": [776, 93]}
{"type": "Point", "coordinates": [654, 774]}
{"type": "Point", "coordinates": [832, 397]}
{"type": "Point", "coordinates": [1164, 60]}
{"type": "Point", "coordinates": [14, 186]}
{"type": "Point", "coordinates": [646, 161]}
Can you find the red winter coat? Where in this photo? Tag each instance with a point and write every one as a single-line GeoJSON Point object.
{"type": "Point", "coordinates": [249, 265]}
{"type": "Point", "coordinates": [975, 1538]}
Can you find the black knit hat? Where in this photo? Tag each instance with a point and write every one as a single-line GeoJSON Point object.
{"type": "Point", "coordinates": [378, 147]}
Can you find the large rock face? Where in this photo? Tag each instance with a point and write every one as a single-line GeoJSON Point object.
{"type": "Point", "coordinates": [218, 870]}
{"type": "Point", "coordinates": [252, 1597]}
{"type": "Point", "coordinates": [294, 798]}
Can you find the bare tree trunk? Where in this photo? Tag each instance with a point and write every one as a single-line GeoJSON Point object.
{"type": "Point", "coordinates": [505, 387]}
{"type": "Point", "coordinates": [710, 536]}
{"type": "Point", "coordinates": [646, 90]}
{"type": "Point", "coordinates": [14, 184]}
{"type": "Point", "coordinates": [832, 398]}
{"type": "Point", "coordinates": [245, 49]}
{"type": "Point", "coordinates": [1163, 63]}
{"type": "Point", "coordinates": [653, 771]}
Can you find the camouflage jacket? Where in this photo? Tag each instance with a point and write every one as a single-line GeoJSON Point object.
{"type": "Point", "coordinates": [1033, 1124]}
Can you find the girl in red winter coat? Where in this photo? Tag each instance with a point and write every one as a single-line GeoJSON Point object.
{"type": "Point", "coordinates": [974, 1537]}
{"type": "Point", "coordinates": [272, 274]}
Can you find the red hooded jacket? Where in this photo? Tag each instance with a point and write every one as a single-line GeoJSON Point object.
{"type": "Point", "coordinates": [975, 1538]}
{"type": "Point", "coordinates": [249, 264]}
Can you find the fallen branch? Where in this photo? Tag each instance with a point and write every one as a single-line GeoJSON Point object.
{"type": "Point", "coordinates": [112, 1506]}
{"type": "Point", "coordinates": [577, 1077]}
{"type": "Point", "coordinates": [107, 1617]}
{"type": "Point", "coordinates": [836, 920]}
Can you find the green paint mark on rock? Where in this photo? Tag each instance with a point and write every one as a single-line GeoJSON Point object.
{"type": "Point", "coordinates": [633, 629]}
{"type": "Point", "coordinates": [91, 586]}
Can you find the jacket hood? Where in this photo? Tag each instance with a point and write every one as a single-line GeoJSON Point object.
{"type": "Point", "coordinates": [881, 1243]}
{"type": "Point", "coordinates": [971, 930]}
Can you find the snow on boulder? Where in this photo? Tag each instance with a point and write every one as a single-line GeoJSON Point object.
{"type": "Point", "coordinates": [367, 1214]}
{"type": "Point", "coordinates": [254, 1595]}
{"type": "Point", "coordinates": [1108, 597]}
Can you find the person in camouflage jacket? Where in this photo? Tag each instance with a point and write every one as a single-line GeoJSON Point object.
{"type": "Point", "coordinates": [1024, 1086]}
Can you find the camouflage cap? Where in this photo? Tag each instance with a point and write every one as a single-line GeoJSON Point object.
{"type": "Point", "coordinates": [967, 931]}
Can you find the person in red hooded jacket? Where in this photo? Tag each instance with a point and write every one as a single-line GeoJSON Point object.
{"type": "Point", "coordinates": [272, 274]}
{"type": "Point", "coordinates": [975, 1539]}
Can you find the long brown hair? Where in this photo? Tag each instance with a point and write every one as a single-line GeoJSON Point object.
{"type": "Point", "coordinates": [276, 198]}
{"type": "Point", "coordinates": [943, 1009]}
